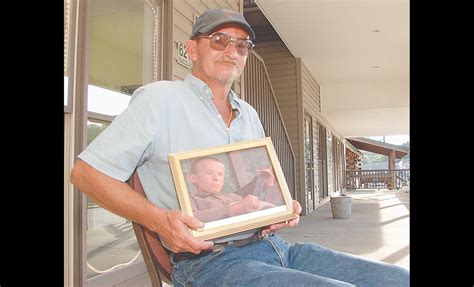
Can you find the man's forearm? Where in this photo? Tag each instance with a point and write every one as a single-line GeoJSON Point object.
{"type": "Point", "coordinates": [114, 195]}
{"type": "Point", "coordinates": [121, 199]}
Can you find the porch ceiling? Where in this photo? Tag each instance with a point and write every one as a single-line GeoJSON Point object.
{"type": "Point", "coordinates": [358, 51]}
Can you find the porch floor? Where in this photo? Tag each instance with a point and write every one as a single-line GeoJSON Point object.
{"type": "Point", "coordinates": [377, 229]}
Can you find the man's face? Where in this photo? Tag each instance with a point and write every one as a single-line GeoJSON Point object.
{"type": "Point", "coordinates": [218, 66]}
{"type": "Point", "coordinates": [209, 177]}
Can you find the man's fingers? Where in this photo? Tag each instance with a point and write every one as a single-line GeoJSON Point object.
{"type": "Point", "coordinates": [294, 221]}
{"type": "Point", "coordinates": [192, 243]}
{"type": "Point", "coordinates": [196, 246]}
{"type": "Point", "coordinates": [192, 222]}
{"type": "Point", "coordinates": [179, 237]}
{"type": "Point", "coordinates": [296, 207]}
{"type": "Point", "coordinates": [185, 242]}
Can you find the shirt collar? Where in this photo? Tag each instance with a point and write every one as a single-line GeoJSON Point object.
{"type": "Point", "coordinates": [201, 88]}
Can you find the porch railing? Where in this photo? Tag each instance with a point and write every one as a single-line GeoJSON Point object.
{"type": "Point", "coordinates": [259, 93]}
{"type": "Point", "coordinates": [377, 178]}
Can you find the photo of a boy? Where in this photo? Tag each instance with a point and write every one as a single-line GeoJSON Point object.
{"type": "Point", "coordinates": [208, 201]}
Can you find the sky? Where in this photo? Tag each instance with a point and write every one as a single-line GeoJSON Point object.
{"type": "Point", "coordinates": [393, 139]}
{"type": "Point", "coordinates": [102, 101]}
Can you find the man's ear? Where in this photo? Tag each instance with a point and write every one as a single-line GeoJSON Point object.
{"type": "Point", "coordinates": [192, 177]}
{"type": "Point", "coordinates": [191, 46]}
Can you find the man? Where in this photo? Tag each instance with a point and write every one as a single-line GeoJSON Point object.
{"type": "Point", "coordinates": [201, 111]}
{"type": "Point", "coordinates": [210, 204]}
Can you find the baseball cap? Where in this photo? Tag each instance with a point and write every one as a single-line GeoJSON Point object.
{"type": "Point", "coordinates": [214, 18]}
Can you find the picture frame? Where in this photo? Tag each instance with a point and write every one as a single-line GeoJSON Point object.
{"type": "Point", "coordinates": [231, 188]}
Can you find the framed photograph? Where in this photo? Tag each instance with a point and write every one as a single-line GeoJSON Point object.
{"type": "Point", "coordinates": [232, 188]}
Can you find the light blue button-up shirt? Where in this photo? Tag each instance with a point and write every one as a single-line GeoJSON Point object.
{"type": "Point", "coordinates": [166, 117]}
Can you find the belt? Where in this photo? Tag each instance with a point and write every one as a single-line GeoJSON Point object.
{"type": "Point", "coordinates": [180, 256]}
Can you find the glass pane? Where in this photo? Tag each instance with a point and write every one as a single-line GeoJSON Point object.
{"type": "Point", "coordinates": [330, 162]}
{"type": "Point", "coordinates": [316, 160]}
{"type": "Point", "coordinates": [105, 101]}
{"type": "Point", "coordinates": [110, 238]}
{"type": "Point", "coordinates": [122, 56]}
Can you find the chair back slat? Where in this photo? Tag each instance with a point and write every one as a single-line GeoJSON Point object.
{"type": "Point", "coordinates": [156, 256]}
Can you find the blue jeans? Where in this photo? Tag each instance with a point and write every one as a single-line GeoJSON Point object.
{"type": "Point", "coordinates": [273, 262]}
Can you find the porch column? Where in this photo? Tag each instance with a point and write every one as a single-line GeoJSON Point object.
{"type": "Point", "coordinates": [391, 167]}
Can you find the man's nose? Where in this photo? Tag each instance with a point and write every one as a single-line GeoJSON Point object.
{"type": "Point", "coordinates": [231, 50]}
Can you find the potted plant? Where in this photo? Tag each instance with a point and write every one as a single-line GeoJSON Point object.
{"type": "Point", "coordinates": [341, 205]}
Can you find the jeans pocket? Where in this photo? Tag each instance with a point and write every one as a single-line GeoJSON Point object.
{"type": "Point", "coordinates": [184, 272]}
{"type": "Point", "coordinates": [280, 248]}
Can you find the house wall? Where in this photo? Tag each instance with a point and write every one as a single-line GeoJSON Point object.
{"type": "Point", "coordinates": [311, 97]}
{"type": "Point", "coordinates": [309, 93]}
{"type": "Point", "coordinates": [310, 90]}
{"type": "Point", "coordinates": [311, 103]}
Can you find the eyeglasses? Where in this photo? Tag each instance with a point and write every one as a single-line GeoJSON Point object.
{"type": "Point", "coordinates": [219, 41]}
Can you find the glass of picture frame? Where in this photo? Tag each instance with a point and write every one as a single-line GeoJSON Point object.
{"type": "Point", "coordinates": [232, 188]}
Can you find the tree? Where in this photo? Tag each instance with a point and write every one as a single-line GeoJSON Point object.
{"type": "Point", "coordinates": [94, 129]}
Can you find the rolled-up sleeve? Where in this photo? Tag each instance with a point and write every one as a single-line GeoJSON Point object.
{"type": "Point", "coordinates": [126, 143]}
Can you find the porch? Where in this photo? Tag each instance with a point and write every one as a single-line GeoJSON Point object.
{"type": "Point", "coordinates": [377, 179]}
{"type": "Point", "coordinates": [377, 229]}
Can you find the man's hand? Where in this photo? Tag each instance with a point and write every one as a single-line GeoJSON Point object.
{"type": "Point", "coordinates": [292, 223]}
{"type": "Point", "coordinates": [119, 198]}
{"type": "Point", "coordinates": [173, 228]}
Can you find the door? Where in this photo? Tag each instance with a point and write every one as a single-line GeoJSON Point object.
{"type": "Point", "coordinates": [329, 162]}
{"type": "Point", "coordinates": [308, 164]}
{"type": "Point", "coordinates": [323, 175]}
{"type": "Point", "coordinates": [122, 55]}
{"type": "Point", "coordinates": [316, 163]}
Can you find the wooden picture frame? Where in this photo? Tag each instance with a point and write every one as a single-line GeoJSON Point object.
{"type": "Point", "coordinates": [232, 188]}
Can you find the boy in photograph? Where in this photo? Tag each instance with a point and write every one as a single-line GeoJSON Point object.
{"type": "Point", "coordinates": [208, 201]}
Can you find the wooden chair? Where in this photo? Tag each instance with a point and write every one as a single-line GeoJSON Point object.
{"type": "Point", "coordinates": [155, 255]}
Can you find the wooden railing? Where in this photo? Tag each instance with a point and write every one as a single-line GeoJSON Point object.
{"type": "Point", "coordinates": [259, 93]}
{"type": "Point", "coordinates": [377, 178]}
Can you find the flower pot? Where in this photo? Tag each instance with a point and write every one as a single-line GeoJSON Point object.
{"type": "Point", "coordinates": [341, 206]}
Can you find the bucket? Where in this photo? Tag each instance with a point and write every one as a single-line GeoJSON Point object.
{"type": "Point", "coordinates": [341, 206]}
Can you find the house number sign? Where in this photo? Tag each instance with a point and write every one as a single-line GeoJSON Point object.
{"type": "Point", "coordinates": [183, 57]}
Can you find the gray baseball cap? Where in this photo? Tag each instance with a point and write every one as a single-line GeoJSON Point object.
{"type": "Point", "coordinates": [214, 18]}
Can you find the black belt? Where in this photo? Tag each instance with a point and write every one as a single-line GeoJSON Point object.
{"type": "Point", "coordinates": [177, 257]}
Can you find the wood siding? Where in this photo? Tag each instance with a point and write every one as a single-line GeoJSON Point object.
{"type": "Point", "coordinates": [310, 93]}
{"type": "Point", "coordinates": [310, 90]}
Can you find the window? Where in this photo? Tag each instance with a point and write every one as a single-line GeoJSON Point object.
{"type": "Point", "coordinates": [123, 55]}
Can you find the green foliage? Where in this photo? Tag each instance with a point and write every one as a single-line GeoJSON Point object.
{"type": "Point", "coordinates": [406, 145]}
{"type": "Point", "coordinates": [372, 160]}
{"type": "Point", "coordinates": [94, 129]}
